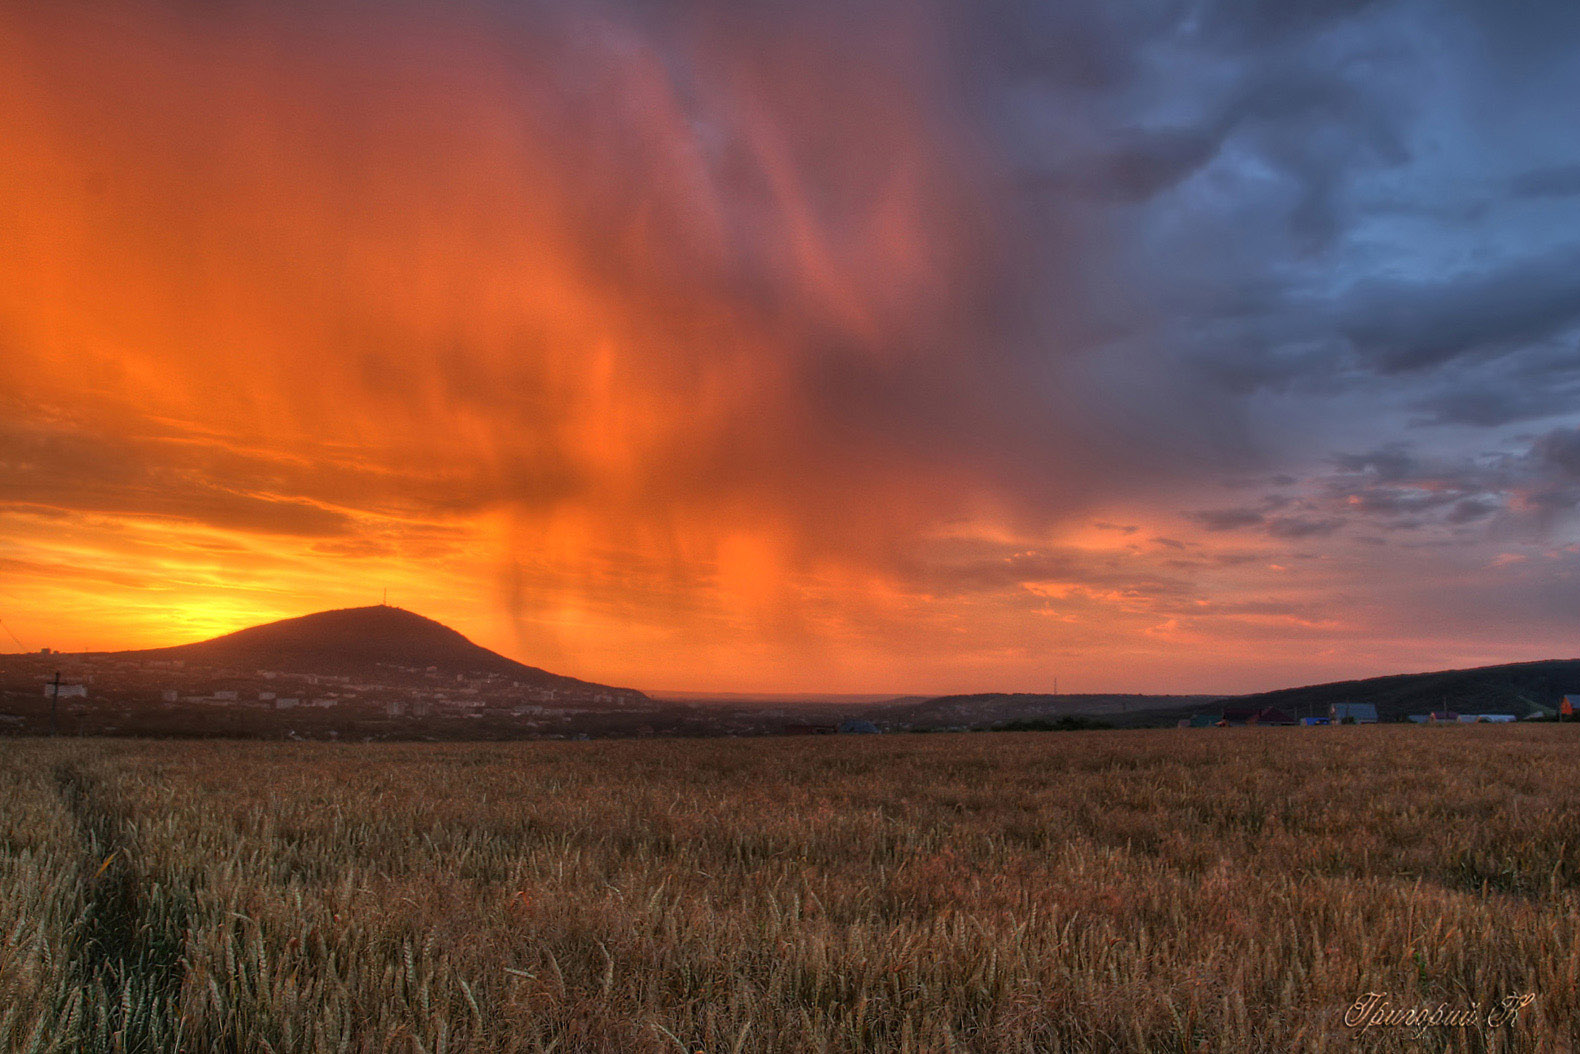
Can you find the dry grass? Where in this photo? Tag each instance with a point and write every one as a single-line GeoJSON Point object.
{"type": "Point", "coordinates": [1139, 891]}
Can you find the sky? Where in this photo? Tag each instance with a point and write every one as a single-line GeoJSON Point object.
{"type": "Point", "coordinates": [748, 345]}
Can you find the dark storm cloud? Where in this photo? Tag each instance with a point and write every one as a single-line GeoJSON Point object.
{"type": "Point", "coordinates": [1228, 519]}
{"type": "Point", "coordinates": [1283, 527]}
{"type": "Point", "coordinates": [1302, 527]}
{"type": "Point", "coordinates": [1413, 325]}
{"type": "Point", "coordinates": [1470, 510]}
{"type": "Point", "coordinates": [1283, 110]}
{"type": "Point", "coordinates": [1509, 393]}
{"type": "Point", "coordinates": [1257, 22]}
{"type": "Point", "coordinates": [1396, 487]}
{"type": "Point", "coordinates": [1517, 493]}
{"type": "Point", "coordinates": [1560, 181]}
{"type": "Point", "coordinates": [1559, 450]}
{"type": "Point", "coordinates": [1136, 170]}
{"type": "Point", "coordinates": [1087, 124]}
{"type": "Point", "coordinates": [1392, 463]}
{"type": "Point", "coordinates": [1277, 158]}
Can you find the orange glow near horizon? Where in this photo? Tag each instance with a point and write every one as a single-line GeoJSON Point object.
{"type": "Point", "coordinates": [596, 366]}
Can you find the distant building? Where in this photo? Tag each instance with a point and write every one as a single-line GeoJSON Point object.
{"type": "Point", "coordinates": [1309, 721]}
{"type": "Point", "coordinates": [1202, 721]}
{"type": "Point", "coordinates": [224, 697]}
{"type": "Point", "coordinates": [67, 691]}
{"type": "Point", "coordinates": [1487, 719]}
{"type": "Point", "coordinates": [860, 728]}
{"type": "Point", "coordinates": [287, 704]}
{"type": "Point", "coordinates": [1254, 715]}
{"type": "Point", "coordinates": [1353, 713]}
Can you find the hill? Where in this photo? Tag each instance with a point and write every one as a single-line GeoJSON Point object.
{"type": "Point", "coordinates": [1513, 688]}
{"type": "Point", "coordinates": [369, 643]}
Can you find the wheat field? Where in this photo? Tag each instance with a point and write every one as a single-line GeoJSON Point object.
{"type": "Point", "coordinates": [1203, 890]}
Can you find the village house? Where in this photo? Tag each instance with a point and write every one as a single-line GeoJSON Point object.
{"type": "Point", "coordinates": [1253, 715]}
{"type": "Point", "coordinates": [1353, 713]}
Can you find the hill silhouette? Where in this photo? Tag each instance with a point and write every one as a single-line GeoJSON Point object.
{"type": "Point", "coordinates": [1521, 689]}
{"type": "Point", "coordinates": [1513, 688]}
{"type": "Point", "coordinates": [364, 642]}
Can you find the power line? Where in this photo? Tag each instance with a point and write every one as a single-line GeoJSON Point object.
{"type": "Point", "coordinates": [13, 636]}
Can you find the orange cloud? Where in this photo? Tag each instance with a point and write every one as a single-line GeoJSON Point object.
{"type": "Point", "coordinates": [607, 342]}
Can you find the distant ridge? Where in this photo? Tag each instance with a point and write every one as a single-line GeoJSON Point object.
{"type": "Point", "coordinates": [1520, 688]}
{"type": "Point", "coordinates": [1517, 688]}
{"type": "Point", "coordinates": [357, 642]}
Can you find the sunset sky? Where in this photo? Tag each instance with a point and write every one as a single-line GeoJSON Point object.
{"type": "Point", "coordinates": [1184, 345]}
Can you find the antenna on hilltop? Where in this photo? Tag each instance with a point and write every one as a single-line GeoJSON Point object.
{"type": "Point", "coordinates": [386, 601]}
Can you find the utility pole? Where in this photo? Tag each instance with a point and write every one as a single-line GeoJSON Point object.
{"type": "Point", "coordinates": [54, 703]}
